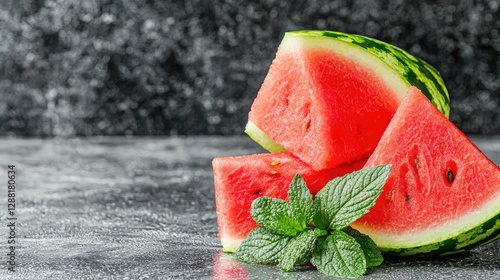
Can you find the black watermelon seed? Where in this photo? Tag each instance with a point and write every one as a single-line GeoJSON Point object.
{"type": "Point", "coordinates": [408, 197]}
{"type": "Point", "coordinates": [450, 177]}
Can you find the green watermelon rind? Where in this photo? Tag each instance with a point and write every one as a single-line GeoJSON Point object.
{"type": "Point", "coordinates": [414, 70]}
{"type": "Point", "coordinates": [483, 234]}
{"type": "Point", "coordinates": [463, 234]}
{"type": "Point", "coordinates": [262, 138]}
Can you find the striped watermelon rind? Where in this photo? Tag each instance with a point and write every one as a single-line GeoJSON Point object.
{"type": "Point", "coordinates": [479, 235]}
{"type": "Point", "coordinates": [414, 70]}
{"type": "Point", "coordinates": [397, 68]}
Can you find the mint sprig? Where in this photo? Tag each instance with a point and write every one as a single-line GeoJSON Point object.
{"type": "Point", "coordinates": [317, 231]}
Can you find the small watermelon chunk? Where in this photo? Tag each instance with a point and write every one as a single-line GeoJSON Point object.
{"type": "Point", "coordinates": [240, 180]}
{"type": "Point", "coordinates": [329, 96]}
{"type": "Point", "coordinates": [442, 195]}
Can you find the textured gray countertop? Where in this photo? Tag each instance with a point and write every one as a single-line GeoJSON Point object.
{"type": "Point", "coordinates": [143, 208]}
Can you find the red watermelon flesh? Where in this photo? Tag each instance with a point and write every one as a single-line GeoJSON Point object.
{"type": "Point", "coordinates": [440, 183]}
{"type": "Point", "coordinates": [322, 106]}
{"type": "Point", "coordinates": [240, 180]}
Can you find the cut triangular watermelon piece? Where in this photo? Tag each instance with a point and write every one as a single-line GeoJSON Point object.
{"type": "Point", "coordinates": [242, 179]}
{"type": "Point", "coordinates": [442, 195]}
{"type": "Point", "coordinates": [328, 96]}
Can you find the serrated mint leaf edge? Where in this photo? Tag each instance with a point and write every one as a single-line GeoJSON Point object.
{"type": "Point", "coordinates": [300, 200]}
{"type": "Point", "coordinates": [347, 198]}
{"type": "Point", "coordinates": [262, 246]}
{"type": "Point", "coordinates": [340, 255]}
{"type": "Point", "coordinates": [372, 253]}
{"type": "Point", "coordinates": [298, 251]}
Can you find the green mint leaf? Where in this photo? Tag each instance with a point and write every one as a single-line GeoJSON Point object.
{"type": "Point", "coordinates": [298, 251]}
{"type": "Point", "coordinates": [300, 200]}
{"type": "Point", "coordinates": [276, 215]}
{"type": "Point", "coordinates": [345, 199]}
{"type": "Point", "coordinates": [320, 232]}
{"type": "Point", "coordinates": [319, 218]}
{"type": "Point", "coordinates": [262, 246]}
{"type": "Point", "coordinates": [339, 255]}
{"type": "Point", "coordinates": [372, 252]}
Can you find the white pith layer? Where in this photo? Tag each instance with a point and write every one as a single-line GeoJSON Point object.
{"type": "Point", "coordinates": [436, 234]}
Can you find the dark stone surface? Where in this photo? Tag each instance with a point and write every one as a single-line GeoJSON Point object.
{"type": "Point", "coordinates": [143, 208]}
{"type": "Point", "coordinates": [164, 67]}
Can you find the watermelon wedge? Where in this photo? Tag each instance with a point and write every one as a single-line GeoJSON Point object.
{"type": "Point", "coordinates": [442, 195]}
{"type": "Point", "coordinates": [329, 96]}
{"type": "Point", "coordinates": [240, 180]}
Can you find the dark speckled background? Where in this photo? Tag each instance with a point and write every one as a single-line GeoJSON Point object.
{"type": "Point", "coordinates": [155, 67]}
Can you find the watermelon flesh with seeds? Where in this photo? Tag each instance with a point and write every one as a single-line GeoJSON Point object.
{"type": "Point", "coordinates": [240, 180]}
{"type": "Point", "coordinates": [442, 195]}
{"type": "Point", "coordinates": [329, 96]}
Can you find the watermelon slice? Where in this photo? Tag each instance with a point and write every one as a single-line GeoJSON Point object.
{"type": "Point", "coordinates": [240, 180]}
{"type": "Point", "coordinates": [328, 96]}
{"type": "Point", "coordinates": [442, 195]}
